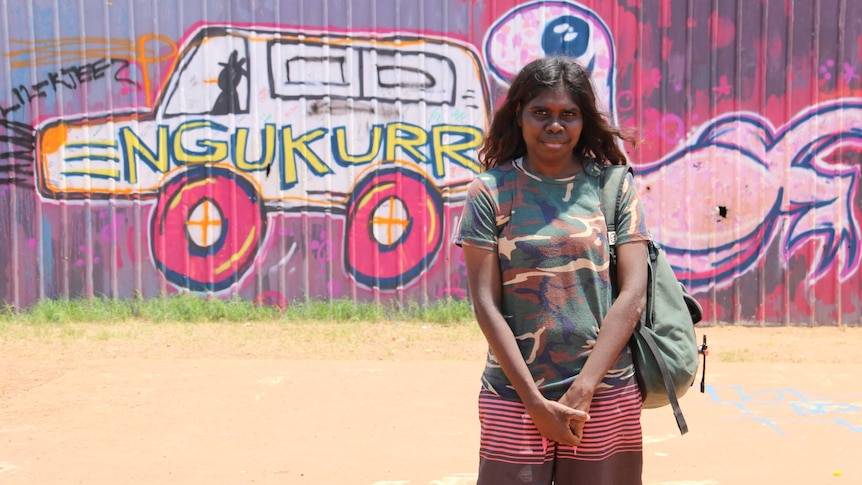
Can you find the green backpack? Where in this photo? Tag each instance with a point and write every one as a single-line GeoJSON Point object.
{"type": "Point", "coordinates": [664, 344]}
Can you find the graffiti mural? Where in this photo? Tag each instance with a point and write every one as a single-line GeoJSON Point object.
{"type": "Point", "coordinates": [376, 130]}
{"type": "Point", "coordinates": [779, 182]}
{"type": "Point", "coordinates": [278, 152]}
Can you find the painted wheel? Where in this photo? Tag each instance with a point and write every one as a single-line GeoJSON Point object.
{"type": "Point", "coordinates": [207, 227]}
{"type": "Point", "coordinates": [394, 227]}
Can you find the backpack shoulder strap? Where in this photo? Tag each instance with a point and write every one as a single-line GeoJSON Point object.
{"type": "Point", "coordinates": [611, 193]}
{"type": "Point", "coordinates": [613, 178]}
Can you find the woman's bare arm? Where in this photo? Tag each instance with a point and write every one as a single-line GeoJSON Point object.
{"type": "Point", "coordinates": [485, 282]}
{"type": "Point", "coordinates": [617, 326]}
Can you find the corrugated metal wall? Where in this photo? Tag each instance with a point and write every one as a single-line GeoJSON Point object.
{"type": "Point", "coordinates": [282, 149]}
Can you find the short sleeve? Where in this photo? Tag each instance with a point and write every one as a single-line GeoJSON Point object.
{"type": "Point", "coordinates": [631, 221]}
{"type": "Point", "coordinates": [478, 227]}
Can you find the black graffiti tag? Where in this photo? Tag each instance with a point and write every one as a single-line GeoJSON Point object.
{"type": "Point", "coordinates": [69, 78]}
{"type": "Point", "coordinates": [17, 143]}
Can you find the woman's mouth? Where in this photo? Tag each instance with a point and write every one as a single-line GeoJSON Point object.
{"type": "Point", "coordinates": [554, 143]}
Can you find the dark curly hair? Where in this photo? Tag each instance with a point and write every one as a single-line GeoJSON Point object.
{"type": "Point", "coordinates": [504, 140]}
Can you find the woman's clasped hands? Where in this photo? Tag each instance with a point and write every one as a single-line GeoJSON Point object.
{"type": "Point", "coordinates": [558, 422]}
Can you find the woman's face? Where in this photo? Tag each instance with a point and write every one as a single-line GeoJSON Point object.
{"type": "Point", "coordinates": [551, 125]}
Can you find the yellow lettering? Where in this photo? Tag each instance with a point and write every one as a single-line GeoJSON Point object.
{"type": "Point", "coordinates": [290, 147]}
{"type": "Point", "coordinates": [240, 148]}
{"type": "Point", "coordinates": [470, 139]}
{"type": "Point", "coordinates": [213, 151]}
{"type": "Point", "coordinates": [408, 137]}
{"type": "Point", "coordinates": [339, 147]}
{"type": "Point", "coordinates": [133, 147]}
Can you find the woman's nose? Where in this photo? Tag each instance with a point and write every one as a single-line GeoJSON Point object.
{"type": "Point", "coordinates": [554, 126]}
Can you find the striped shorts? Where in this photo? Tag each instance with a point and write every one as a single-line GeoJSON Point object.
{"type": "Point", "coordinates": [610, 453]}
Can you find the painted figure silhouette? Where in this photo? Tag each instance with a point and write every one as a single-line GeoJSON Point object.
{"type": "Point", "coordinates": [228, 80]}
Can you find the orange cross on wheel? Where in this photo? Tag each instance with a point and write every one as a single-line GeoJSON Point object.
{"type": "Point", "coordinates": [390, 221]}
{"type": "Point", "coordinates": [201, 219]}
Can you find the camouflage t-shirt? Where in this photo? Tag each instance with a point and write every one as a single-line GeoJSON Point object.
{"type": "Point", "coordinates": [551, 239]}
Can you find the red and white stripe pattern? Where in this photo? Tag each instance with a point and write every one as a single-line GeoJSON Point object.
{"type": "Point", "coordinates": [508, 434]}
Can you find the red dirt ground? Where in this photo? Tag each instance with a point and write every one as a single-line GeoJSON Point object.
{"type": "Point", "coordinates": [783, 406]}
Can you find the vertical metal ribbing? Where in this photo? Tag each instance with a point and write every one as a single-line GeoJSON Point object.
{"type": "Point", "coordinates": [109, 248]}
{"type": "Point", "coordinates": [761, 93]}
{"type": "Point", "coordinates": [139, 221]}
{"type": "Point", "coordinates": [836, 287]}
{"type": "Point", "coordinates": [713, 80]}
{"type": "Point", "coordinates": [814, 82]}
{"type": "Point", "coordinates": [739, 292]}
{"type": "Point", "coordinates": [10, 282]}
{"type": "Point", "coordinates": [688, 89]}
{"type": "Point", "coordinates": [787, 292]}
{"type": "Point", "coordinates": [853, 312]}
{"type": "Point", "coordinates": [290, 270]}
{"type": "Point", "coordinates": [62, 232]}
{"type": "Point", "coordinates": [87, 249]}
{"type": "Point", "coordinates": [328, 240]}
{"type": "Point", "coordinates": [665, 23]}
{"type": "Point", "coordinates": [348, 290]}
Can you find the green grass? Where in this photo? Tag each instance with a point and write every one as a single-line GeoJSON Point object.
{"type": "Point", "coordinates": [185, 308]}
{"type": "Point", "coordinates": [184, 325]}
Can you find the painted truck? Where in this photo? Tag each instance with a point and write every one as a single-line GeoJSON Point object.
{"type": "Point", "coordinates": [380, 130]}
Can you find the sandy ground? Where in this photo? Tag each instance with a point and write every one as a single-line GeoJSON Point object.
{"type": "Point", "coordinates": [782, 406]}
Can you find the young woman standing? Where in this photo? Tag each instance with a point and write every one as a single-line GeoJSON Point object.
{"type": "Point", "coordinates": [559, 402]}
